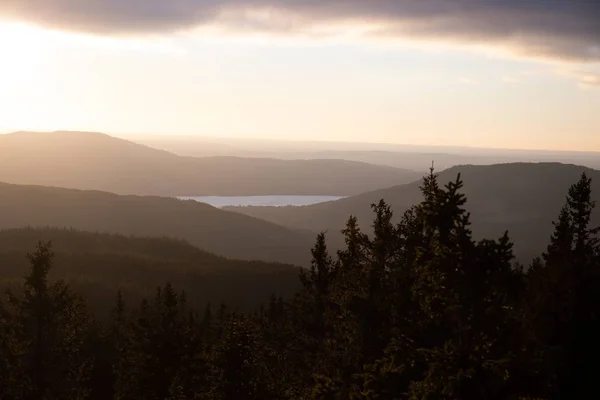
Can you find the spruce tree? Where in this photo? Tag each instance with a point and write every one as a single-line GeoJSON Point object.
{"type": "Point", "coordinates": [463, 289]}
{"type": "Point", "coordinates": [564, 300]}
{"type": "Point", "coordinates": [162, 348]}
{"type": "Point", "coordinates": [47, 339]}
{"type": "Point", "coordinates": [236, 372]}
{"type": "Point", "coordinates": [314, 296]}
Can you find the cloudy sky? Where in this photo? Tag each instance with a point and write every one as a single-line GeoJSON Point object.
{"type": "Point", "coordinates": [494, 73]}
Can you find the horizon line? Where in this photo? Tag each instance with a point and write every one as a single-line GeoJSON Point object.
{"type": "Point", "coordinates": [130, 135]}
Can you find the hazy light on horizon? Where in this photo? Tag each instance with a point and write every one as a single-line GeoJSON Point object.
{"type": "Point", "coordinates": [330, 90]}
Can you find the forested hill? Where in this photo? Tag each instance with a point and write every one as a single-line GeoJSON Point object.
{"type": "Point", "coordinates": [417, 310]}
{"type": "Point", "coordinates": [225, 233]}
{"type": "Point", "coordinates": [84, 160]}
{"type": "Point", "coordinates": [520, 197]}
{"type": "Point", "coordinates": [99, 264]}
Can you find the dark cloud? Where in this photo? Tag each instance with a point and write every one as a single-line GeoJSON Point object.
{"type": "Point", "coordinates": [561, 29]}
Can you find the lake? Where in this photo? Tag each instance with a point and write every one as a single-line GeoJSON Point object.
{"type": "Point", "coordinates": [276, 201]}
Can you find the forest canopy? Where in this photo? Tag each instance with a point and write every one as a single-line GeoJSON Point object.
{"type": "Point", "coordinates": [416, 310]}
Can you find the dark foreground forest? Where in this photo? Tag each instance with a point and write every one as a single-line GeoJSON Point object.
{"type": "Point", "coordinates": [418, 310]}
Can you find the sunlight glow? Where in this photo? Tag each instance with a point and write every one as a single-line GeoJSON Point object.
{"type": "Point", "coordinates": [22, 49]}
{"type": "Point", "coordinates": [339, 83]}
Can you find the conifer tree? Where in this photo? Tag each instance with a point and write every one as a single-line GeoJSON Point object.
{"type": "Point", "coordinates": [582, 276]}
{"type": "Point", "coordinates": [563, 300]}
{"type": "Point", "coordinates": [236, 370]}
{"type": "Point", "coordinates": [581, 206]}
{"type": "Point", "coordinates": [313, 298]}
{"type": "Point", "coordinates": [206, 325]}
{"type": "Point", "coordinates": [463, 293]}
{"type": "Point", "coordinates": [47, 339]}
{"type": "Point", "coordinates": [162, 349]}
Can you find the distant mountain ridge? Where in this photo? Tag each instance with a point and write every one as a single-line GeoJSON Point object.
{"type": "Point", "coordinates": [413, 157]}
{"type": "Point", "coordinates": [95, 161]}
{"type": "Point", "coordinates": [523, 198]}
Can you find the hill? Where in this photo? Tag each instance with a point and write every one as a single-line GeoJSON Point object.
{"type": "Point", "coordinates": [521, 197]}
{"type": "Point", "coordinates": [100, 264]}
{"type": "Point", "coordinates": [225, 233]}
{"type": "Point", "coordinates": [83, 160]}
{"type": "Point", "coordinates": [412, 157]}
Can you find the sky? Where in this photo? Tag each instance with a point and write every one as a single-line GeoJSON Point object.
{"type": "Point", "coordinates": [484, 73]}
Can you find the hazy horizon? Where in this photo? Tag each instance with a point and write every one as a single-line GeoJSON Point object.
{"type": "Point", "coordinates": [321, 144]}
{"type": "Point", "coordinates": [525, 76]}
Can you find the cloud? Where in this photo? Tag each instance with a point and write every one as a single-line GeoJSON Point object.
{"type": "Point", "coordinates": [587, 77]}
{"type": "Point", "coordinates": [566, 30]}
{"type": "Point", "coordinates": [590, 79]}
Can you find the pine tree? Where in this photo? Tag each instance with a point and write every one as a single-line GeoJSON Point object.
{"type": "Point", "coordinates": [581, 206]}
{"type": "Point", "coordinates": [376, 311]}
{"type": "Point", "coordinates": [107, 345]}
{"type": "Point", "coordinates": [236, 370]}
{"type": "Point", "coordinates": [313, 298]}
{"type": "Point", "coordinates": [583, 276]}
{"type": "Point", "coordinates": [463, 290]}
{"type": "Point", "coordinates": [346, 308]}
{"type": "Point", "coordinates": [49, 328]}
{"type": "Point", "coordinates": [564, 303]}
{"type": "Point", "coordinates": [206, 325]}
{"type": "Point", "coordinates": [562, 240]}
{"type": "Point", "coordinates": [161, 350]}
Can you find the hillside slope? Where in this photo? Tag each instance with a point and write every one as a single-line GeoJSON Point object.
{"type": "Point", "coordinates": [523, 198]}
{"type": "Point", "coordinates": [83, 160]}
{"type": "Point", "coordinates": [100, 264]}
{"type": "Point", "coordinates": [413, 157]}
{"type": "Point", "coordinates": [222, 232]}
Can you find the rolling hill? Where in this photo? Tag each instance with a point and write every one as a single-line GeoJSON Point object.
{"type": "Point", "coordinates": [523, 198]}
{"type": "Point", "coordinates": [222, 232]}
{"type": "Point", "coordinates": [100, 264]}
{"type": "Point", "coordinates": [95, 161]}
{"type": "Point", "coordinates": [412, 157]}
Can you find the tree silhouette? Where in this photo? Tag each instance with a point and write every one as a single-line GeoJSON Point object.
{"type": "Point", "coordinates": [47, 340]}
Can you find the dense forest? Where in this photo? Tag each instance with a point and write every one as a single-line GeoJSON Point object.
{"type": "Point", "coordinates": [416, 309]}
{"type": "Point", "coordinates": [97, 263]}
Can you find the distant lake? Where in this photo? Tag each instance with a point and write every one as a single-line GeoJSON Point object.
{"type": "Point", "coordinates": [276, 201]}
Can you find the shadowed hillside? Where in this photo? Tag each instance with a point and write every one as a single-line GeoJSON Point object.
{"type": "Point", "coordinates": [520, 197]}
{"type": "Point", "coordinates": [83, 160]}
{"type": "Point", "coordinates": [99, 264]}
{"type": "Point", "coordinates": [226, 233]}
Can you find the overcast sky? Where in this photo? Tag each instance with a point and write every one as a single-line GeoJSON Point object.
{"type": "Point", "coordinates": [494, 73]}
